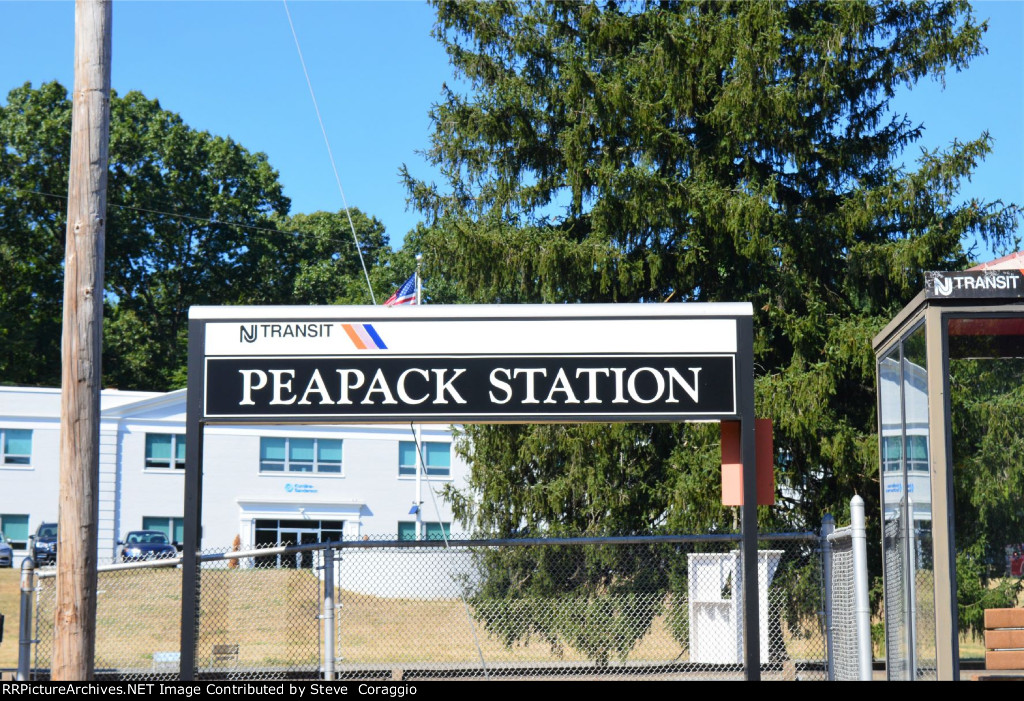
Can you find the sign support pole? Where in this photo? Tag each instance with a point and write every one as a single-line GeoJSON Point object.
{"type": "Point", "coordinates": [416, 434]}
{"type": "Point", "coordinates": [193, 501]}
{"type": "Point", "coordinates": [748, 452]}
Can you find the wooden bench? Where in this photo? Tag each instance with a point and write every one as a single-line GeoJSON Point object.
{"type": "Point", "coordinates": [1004, 639]}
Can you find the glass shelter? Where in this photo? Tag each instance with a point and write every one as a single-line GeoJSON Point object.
{"type": "Point", "coordinates": [950, 373]}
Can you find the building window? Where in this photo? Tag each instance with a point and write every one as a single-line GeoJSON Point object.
{"type": "Point", "coordinates": [892, 452]}
{"type": "Point", "coordinates": [431, 530]}
{"type": "Point", "coordinates": [437, 456]}
{"type": "Point", "coordinates": [917, 453]}
{"type": "Point", "coordinates": [300, 455]}
{"type": "Point", "coordinates": [165, 451]}
{"type": "Point", "coordinates": [15, 530]}
{"type": "Point", "coordinates": [15, 446]}
{"type": "Point", "coordinates": [170, 526]}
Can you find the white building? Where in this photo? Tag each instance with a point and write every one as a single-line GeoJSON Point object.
{"type": "Point", "coordinates": [265, 484]}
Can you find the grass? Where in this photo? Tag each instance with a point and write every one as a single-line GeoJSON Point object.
{"type": "Point", "coordinates": [10, 606]}
{"type": "Point", "coordinates": [374, 630]}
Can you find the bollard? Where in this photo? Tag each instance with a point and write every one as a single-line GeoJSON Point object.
{"type": "Point", "coordinates": [329, 636]}
{"type": "Point", "coordinates": [28, 570]}
{"type": "Point", "coordinates": [860, 578]}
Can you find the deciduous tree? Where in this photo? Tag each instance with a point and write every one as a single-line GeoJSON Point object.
{"type": "Point", "coordinates": [193, 218]}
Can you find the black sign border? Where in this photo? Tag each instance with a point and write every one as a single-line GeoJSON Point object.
{"type": "Point", "coordinates": [463, 417]}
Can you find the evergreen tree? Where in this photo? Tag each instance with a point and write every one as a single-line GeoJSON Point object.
{"type": "Point", "coordinates": [698, 152]}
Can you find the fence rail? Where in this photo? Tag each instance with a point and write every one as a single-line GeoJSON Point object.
{"type": "Point", "coordinates": [644, 607]}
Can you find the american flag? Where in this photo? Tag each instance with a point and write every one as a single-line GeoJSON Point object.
{"type": "Point", "coordinates": [406, 294]}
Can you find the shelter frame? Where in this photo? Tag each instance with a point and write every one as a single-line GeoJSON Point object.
{"type": "Point", "coordinates": [929, 316]}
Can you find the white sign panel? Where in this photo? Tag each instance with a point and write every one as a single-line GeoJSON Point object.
{"type": "Point", "coordinates": [471, 363]}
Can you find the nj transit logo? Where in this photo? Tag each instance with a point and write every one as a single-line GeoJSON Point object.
{"type": "Point", "coordinates": [362, 336]}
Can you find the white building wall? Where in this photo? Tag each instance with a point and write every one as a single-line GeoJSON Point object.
{"type": "Point", "coordinates": [32, 490]}
{"type": "Point", "coordinates": [108, 487]}
{"type": "Point", "coordinates": [407, 574]}
{"type": "Point", "coordinates": [369, 495]}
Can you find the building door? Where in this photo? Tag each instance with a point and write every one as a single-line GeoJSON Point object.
{"type": "Point", "coordinates": [298, 536]}
{"type": "Point", "coordinates": [273, 532]}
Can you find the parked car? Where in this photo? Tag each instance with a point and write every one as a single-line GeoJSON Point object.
{"type": "Point", "coordinates": [6, 552]}
{"type": "Point", "coordinates": [44, 544]}
{"type": "Point", "coordinates": [146, 545]}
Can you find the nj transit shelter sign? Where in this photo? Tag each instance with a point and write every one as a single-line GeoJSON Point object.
{"type": "Point", "coordinates": [479, 363]}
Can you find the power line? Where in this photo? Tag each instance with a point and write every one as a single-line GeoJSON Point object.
{"type": "Point", "coordinates": [330, 153]}
{"type": "Point", "coordinates": [190, 217]}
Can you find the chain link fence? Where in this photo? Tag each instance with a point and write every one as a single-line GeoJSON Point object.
{"type": "Point", "coordinates": [898, 663]}
{"type": "Point", "coordinates": [844, 616]}
{"type": "Point", "coordinates": [138, 609]}
{"type": "Point", "coordinates": [258, 618]}
{"type": "Point", "coordinates": [847, 606]}
{"type": "Point", "coordinates": [651, 608]}
{"type": "Point", "coordinates": [667, 607]}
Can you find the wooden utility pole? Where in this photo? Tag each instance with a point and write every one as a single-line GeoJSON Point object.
{"type": "Point", "coordinates": [75, 620]}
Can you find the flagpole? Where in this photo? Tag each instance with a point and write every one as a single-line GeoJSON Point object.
{"type": "Point", "coordinates": [419, 284]}
{"type": "Point", "coordinates": [416, 428]}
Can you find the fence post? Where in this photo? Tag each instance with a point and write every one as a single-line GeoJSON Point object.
{"type": "Point", "coordinates": [860, 587]}
{"type": "Point", "coordinates": [828, 526]}
{"type": "Point", "coordinates": [25, 641]}
{"type": "Point", "coordinates": [329, 636]}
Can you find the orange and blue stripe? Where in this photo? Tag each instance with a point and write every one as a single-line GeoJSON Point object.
{"type": "Point", "coordinates": [364, 336]}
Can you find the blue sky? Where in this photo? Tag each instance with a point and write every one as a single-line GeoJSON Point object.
{"type": "Point", "coordinates": [232, 68]}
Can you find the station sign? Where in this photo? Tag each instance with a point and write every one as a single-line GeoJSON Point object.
{"type": "Point", "coordinates": [975, 284]}
{"type": "Point", "coordinates": [470, 363]}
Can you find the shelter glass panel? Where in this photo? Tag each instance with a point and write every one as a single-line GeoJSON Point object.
{"type": "Point", "coordinates": [894, 531]}
{"type": "Point", "coordinates": [920, 557]}
{"type": "Point", "coordinates": [986, 381]}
